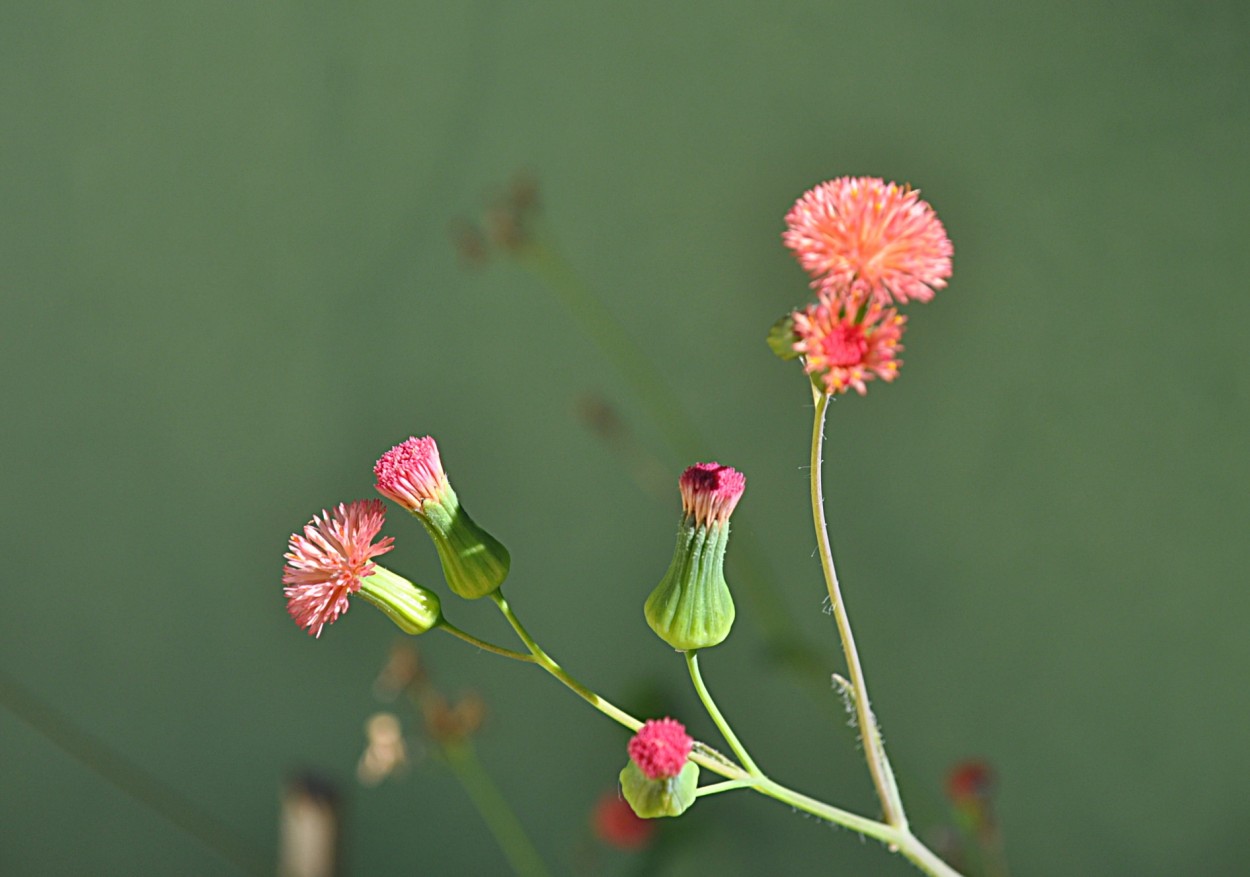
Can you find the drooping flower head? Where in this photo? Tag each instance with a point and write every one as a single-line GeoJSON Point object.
{"type": "Point", "coordinates": [474, 562]}
{"type": "Point", "coordinates": [615, 823]}
{"type": "Point", "coordinates": [411, 473]}
{"type": "Point", "coordinates": [844, 352]}
{"type": "Point", "coordinates": [328, 562]}
{"type": "Point", "coordinates": [861, 238]}
{"type": "Point", "coordinates": [710, 491]}
{"type": "Point", "coordinates": [661, 748]}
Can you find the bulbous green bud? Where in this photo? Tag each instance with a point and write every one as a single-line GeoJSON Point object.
{"type": "Point", "coordinates": [782, 338]}
{"type": "Point", "coordinates": [692, 608]}
{"type": "Point", "coordinates": [666, 796]}
{"type": "Point", "coordinates": [474, 562]}
{"type": "Point", "coordinates": [413, 608]}
{"type": "Point", "coordinates": [411, 474]}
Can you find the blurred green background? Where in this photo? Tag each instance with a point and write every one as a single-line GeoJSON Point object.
{"type": "Point", "coordinates": [228, 284]}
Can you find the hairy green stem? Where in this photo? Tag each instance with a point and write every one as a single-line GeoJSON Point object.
{"type": "Point", "coordinates": [874, 747]}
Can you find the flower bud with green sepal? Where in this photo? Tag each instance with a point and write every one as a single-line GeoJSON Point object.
{"type": "Point", "coordinates": [660, 780]}
{"type": "Point", "coordinates": [474, 562]}
{"type": "Point", "coordinates": [413, 608]}
{"type": "Point", "coordinates": [692, 608]}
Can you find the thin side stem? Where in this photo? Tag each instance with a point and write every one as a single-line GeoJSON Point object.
{"type": "Point", "coordinates": [896, 838]}
{"type": "Point", "coordinates": [692, 662]}
{"type": "Point", "coordinates": [874, 748]}
{"type": "Point", "coordinates": [495, 810]}
{"type": "Point", "coordinates": [726, 786]}
{"type": "Point", "coordinates": [483, 644]}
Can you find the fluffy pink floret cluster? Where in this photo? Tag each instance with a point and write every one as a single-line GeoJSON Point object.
{"type": "Point", "coordinates": [411, 473]}
{"type": "Point", "coordinates": [661, 748]}
{"type": "Point", "coordinates": [868, 245]}
{"type": "Point", "coordinates": [866, 238]}
{"type": "Point", "coordinates": [328, 561]}
{"type": "Point", "coordinates": [846, 352]}
{"type": "Point", "coordinates": [710, 492]}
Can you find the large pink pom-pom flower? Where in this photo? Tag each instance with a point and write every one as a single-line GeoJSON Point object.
{"type": "Point", "coordinates": [863, 238]}
{"type": "Point", "coordinates": [327, 563]}
{"type": "Point", "coordinates": [843, 352]}
{"type": "Point", "coordinates": [661, 748]}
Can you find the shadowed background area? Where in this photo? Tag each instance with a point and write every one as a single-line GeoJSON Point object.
{"type": "Point", "coordinates": [228, 285]}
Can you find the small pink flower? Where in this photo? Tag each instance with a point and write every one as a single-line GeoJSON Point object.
{"type": "Point", "coordinates": [661, 748]}
{"type": "Point", "coordinates": [844, 352]}
{"type": "Point", "coordinates": [329, 560]}
{"type": "Point", "coordinates": [411, 473]}
{"type": "Point", "coordinates": [710, 492]}
{"type": "Point", "coordinates": [863, 238]}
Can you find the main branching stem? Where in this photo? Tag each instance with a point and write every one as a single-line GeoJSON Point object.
{"type": "Point", "coordinates": [895, 837]}
{"type": "Point", "coordinates": [874, 748]}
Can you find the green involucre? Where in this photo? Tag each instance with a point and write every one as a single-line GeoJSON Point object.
{"type": "Point", "coordinates": [692, 608]}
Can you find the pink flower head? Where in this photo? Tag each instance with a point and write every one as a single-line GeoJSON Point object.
{"type": "Point", "coordinates": [971, 780]}
{"type": "Point", "coordinates": [710, 491]}
{"type": "Point", "coordinates": [863, 238]}
{"type": "Point", "coordinates": [411, 473]}
{"type": "Point", "coordinates": [615, 823]}
{"type": "Point", "coordinates": [844, 352]}
{"type": "Point", "coordinates": [661, 748]}
{"type": "Point", "coordinates": [329, 560]}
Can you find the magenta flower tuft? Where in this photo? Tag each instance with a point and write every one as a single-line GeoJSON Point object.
{"type": "Point", "coordinates": [661, 748]}
{"type": "Point", "coordinates": [710, 492]}
{"type": "Point", "coordinates": [844, 352]}
{"type": "Point", "coordinates": [861, 238]}
{"type": "Point", "coordinates": [327, 563]}
{"type": "Point", "coordinates": [411, 473]}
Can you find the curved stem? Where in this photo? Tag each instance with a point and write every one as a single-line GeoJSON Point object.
{"type": "Point", "coordinates": [726, 786]}
{"type": "Point", "coordinates": [692, 662]}
{"type": "Point", "coordinates": [874, 748]}
{"type": "Point", "coordinates": [483, 644]}
{"type": "Point", "coordinates": [495, 811]}
{"type": "Point", "coordinates": [896, 837]}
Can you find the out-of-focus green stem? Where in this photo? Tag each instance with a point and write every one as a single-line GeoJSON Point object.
{"type": "Point", "coordinates": [494, 808]}
{"type": "Point", "coordinates": [132, 779]}
{"type": "Point", "coordinates": [874, 747]}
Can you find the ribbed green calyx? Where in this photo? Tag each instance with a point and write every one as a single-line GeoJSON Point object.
{"type": "Point", "coordinates": [414, 609]}
{"type": "Point", "coordinates": [666, 796]}
{"type": "Point", "coordinates": [691, 608]}
{"type": "Point", "coordinates": [474, 562]}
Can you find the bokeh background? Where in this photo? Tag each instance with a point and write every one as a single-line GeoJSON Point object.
{"type": "Point", "coordinates": [228, 283]}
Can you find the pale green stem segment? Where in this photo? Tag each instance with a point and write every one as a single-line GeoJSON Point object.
{"type": "Point", "coordinates": [896, 838]}
{"type": "Point", "coordinates": [874, 747]}
{"type": "Point", "coordinates": [726, 786]}
{"type": "Point", "coordinates": [692, 662]}
{"type": "Point", "coordinates": [482, 644]}
{"type": "Point", "coordinates": [491, 804]}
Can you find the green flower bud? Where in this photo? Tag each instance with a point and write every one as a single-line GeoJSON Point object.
{"type": "Point", "coordinates": [692, 608]}
{"type": "Point", "coordinates": [414, 609]}
{"type": "Point", "coordinates": [474, 562]}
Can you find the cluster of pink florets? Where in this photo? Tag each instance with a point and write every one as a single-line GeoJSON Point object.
{"type": "Point", "coordinates": [710, 492]}
{"type": "Point", "coordinates": [411, 473]}
{"type": "Point", "coordinates": [867, 245]}
{"type": "Point", "coordinates": [661, 748]}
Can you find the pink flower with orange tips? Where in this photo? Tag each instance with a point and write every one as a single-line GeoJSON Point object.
{"type": "Point", "coordinates": [328, 561]}
{"type": "Point", "coordinates": [861, 238]}
{"type": "Point", "coordinates": [845, 353]}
